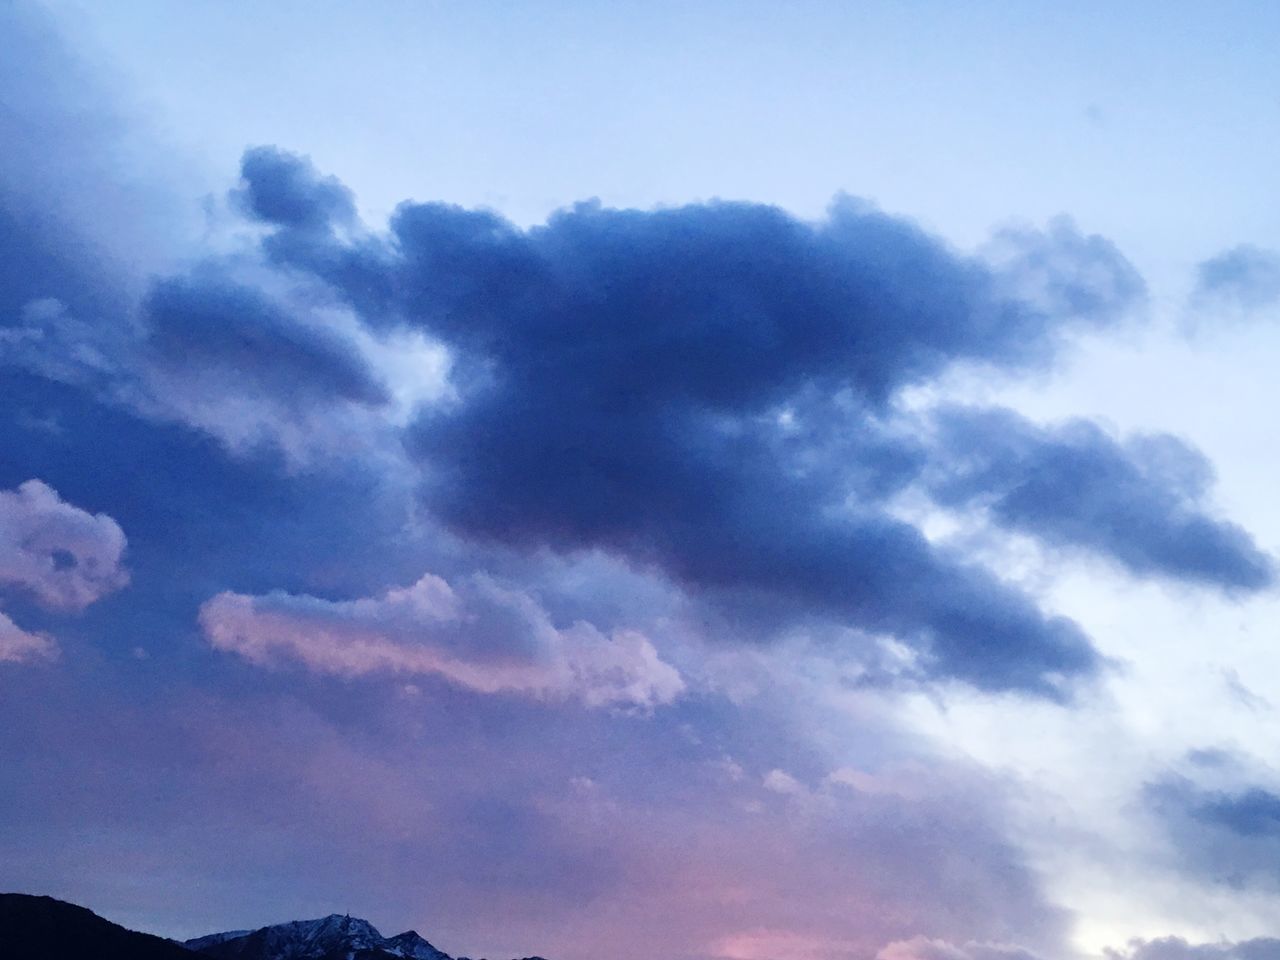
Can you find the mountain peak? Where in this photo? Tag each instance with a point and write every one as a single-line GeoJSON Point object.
{"type": "Point", "coordinates": [335, 937]}
{"type": "Point", "coordinates": [41, 928]}
{"type": "Point", "coordinates": [410, 945]}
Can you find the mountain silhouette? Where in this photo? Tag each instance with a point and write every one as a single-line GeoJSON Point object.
{"type": "Point", "coordinates": [42, 928]}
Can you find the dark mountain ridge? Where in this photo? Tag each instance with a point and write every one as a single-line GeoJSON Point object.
{"type": "Point", "coordinates": [42, 928]}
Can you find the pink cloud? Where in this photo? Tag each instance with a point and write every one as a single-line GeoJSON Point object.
{"type": "Point", "coordinates": [785, 945]}
{"type": "Point", "coordinates": [922, 948]}
{"type": "Point", "coordinates": [63, 557]}
{"type": "Point", "coordinates": [20, 646]}
{"type": "Point", "coordinates": [489, 638]}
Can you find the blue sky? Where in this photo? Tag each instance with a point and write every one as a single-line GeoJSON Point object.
{"type": "Point", "coordinates": [751, 482]}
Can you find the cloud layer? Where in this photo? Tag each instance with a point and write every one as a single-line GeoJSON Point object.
{"type": "Point", "coordinates": [667, 467]}
{"type": "Point", "coordinates": [710, 390]}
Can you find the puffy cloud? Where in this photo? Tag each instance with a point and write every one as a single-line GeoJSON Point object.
{"type": "Point", "coordinates": [1245, 277]}
{"type": "Point", "coordinates": [59, 555]}
{"type": "Point", "coordinates": [1140, 502]}
{"type": "Point", "coordinates": [21, 646]}
{"type": "Point", "coordinates": [63, 556]}
{"type": "Point", "coordinates": [284, 189]}
{"type": "Point", "coordinates": [1065, 272]}
{"type": "Point", "coordinates": [704, 389]}
{"type": "Point", "coordinates": [490, 639]}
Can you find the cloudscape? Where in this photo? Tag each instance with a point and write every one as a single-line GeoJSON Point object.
{"type": "Point", "coordinates": [713, 482]}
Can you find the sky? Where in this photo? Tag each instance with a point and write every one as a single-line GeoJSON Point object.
{"type": "Point", "coordinates": [723, 481]}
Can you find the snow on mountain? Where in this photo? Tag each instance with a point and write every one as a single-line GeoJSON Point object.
{"type": "Point", "coordinates": [199, 943]}
{"type": "Point", "coordinates": [335, 937]}
{"type": "Point", "coordinates": [41, 928]}
{"type": "Point", "coordinates": [412, 946]}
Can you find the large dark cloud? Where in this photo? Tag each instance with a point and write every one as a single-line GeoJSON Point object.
{"type": "Point", "coordinates": [1140, 502]}
{"type": "Point", "coordinates": [707, 389]}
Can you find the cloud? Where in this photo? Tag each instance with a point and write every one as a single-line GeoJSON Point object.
{"type": "Point", "coordinates": [63, 556]}
{"type": "Point", "coordinates": [1064, 272]}
{"type": "Point", "coordinates": [87, 210]}
{"type": "Point", "coordinates": [20, 646]}
{"type": "Point", "coordinates": [209, 323]}
{"type": "Point", "coordinates": [708, 390]}
{"type": "Point", "coordinates": [1226, 835]}
{"type": "Point", "coordinates": [1140, 502]}
{"type": "Point", "coordinates": [285, 190]}
{"type": "Point", "coordinates": [705, 389]}
{"type": "Point", "coordinates": [221, 356]}
{"type": "Point", "coordinates": [922, 948]}
{"type": "Point", "coordinates": [703, 398]}
{"type": "Point", "coordinates": [1254, 812]}
{"type": "Point", "coordinates": [89, 217]}
{"type": "Point", "coordinates": [490, 639]}
{"type": "Point", "coordinates": [578, 827]}
{"type": "Point", "coordinates": [59, 555]}
{"type": "Point", "coordinates": [1176, 948]}
{"type": "Point", "coordinates": [1245, 277]}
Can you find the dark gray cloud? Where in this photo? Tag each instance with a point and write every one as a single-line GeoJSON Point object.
{"type": "Point", "coordinates": [207, 322]}
{"type": "Point", "coordinates": [708, 389]}
{"type": "Point", "coordinates": [1245, 277]}
{"type": "Point", "coordinates": [1140, 502]}
{"type": "Point", "coordinates": [1226, 836]}
{"type": "Point", "coordinates": [1254, 812]}
{"type": "Point", "coordinates": [283, 189]}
